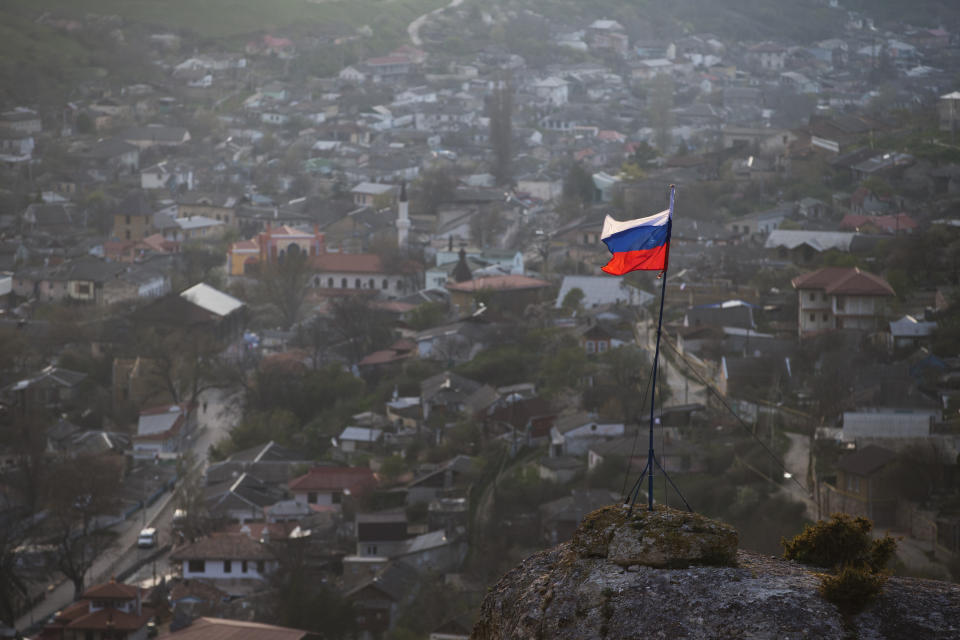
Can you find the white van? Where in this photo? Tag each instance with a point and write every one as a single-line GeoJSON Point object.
{"type": "Point", "coordinates": [147, 539]}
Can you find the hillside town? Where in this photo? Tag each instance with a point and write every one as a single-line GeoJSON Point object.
{"type": "Point", "coordinates": [291, 342]}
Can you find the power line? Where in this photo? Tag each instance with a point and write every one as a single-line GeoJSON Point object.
{"type": "Point", "coordinates": [740, 420]}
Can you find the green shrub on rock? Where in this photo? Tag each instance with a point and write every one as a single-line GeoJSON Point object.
{"type": "Point", "coordinates": [844, 545]}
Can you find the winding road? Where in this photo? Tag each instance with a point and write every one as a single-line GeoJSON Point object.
{"type": "Point", "coordinates": [413, 29]}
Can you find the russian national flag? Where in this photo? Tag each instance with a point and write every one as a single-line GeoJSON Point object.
{"type": "Point", "coordinates": [638, 245]}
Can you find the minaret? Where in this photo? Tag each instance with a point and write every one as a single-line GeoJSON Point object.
{"type": "Point", "coordinates": [403, 220]}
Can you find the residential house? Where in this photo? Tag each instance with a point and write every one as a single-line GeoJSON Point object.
{"type": "Point", "coordinates": [109, 157]}
{"type": "Point", "coordinates": [360, 271]}
{"type": "Point", "coordinates": [910, 332]}
{"type": "Point", "coordinates": [52, 390]}
{"type": "Point", "coordinates": [15, 146]}
{"type": "Point", "coordinates": [450, 394]}
{"type": "Point", "coordinates": [512, 293]}
{"type": "Point", "coordinates": [730, 313]}
{"type": "Point", "coordinates": [378, 600]}
{"type": "Point", "coordinates": [227, 560]}
{"type": "Point", "coordinates": [169, 175]}
{"type": "Point", "coordinates": [206, 628]}
{"type": "Point", "coordinates": [327, 486]}
{"type": "Point", "coordinates": [133, 218]}
{"type": "Point", "coordinates": [107, 611]}
{"type": "Point", "coordinates": [856, 489]}
{"type": "Point", "coordinates": [948, 108]}
{"type": "Point", "coordinates": [209, 205]}
{"type": "Point", "coordinates": [762, 222]}
{"type": "Point", "coordinates": [201, 308]}
{"type": "Point", "coordinates": [156, 135]}
{"type": "Point", "coordinates": [841, 298]}
{"type": "Point", "coordinates": [803, 246]}
{"type": "Point", "coordinates": [353, 439]}
{"type": "Point", "coordinates": [163, 430]}
{"type": "Point", "coordinates": [572, 435]}
{"type": "Point", "coordinates": [374, 194]}
{"type": "Point", "coordinates": [896, 224]}
{"type": "Point", "coordinates": [767, 56]}
{"type": "Point", "coordinates": [559, 469]}
{"type": "Point", "coordinates": [598, 291]}
{"type": "Point", "coordinates": [381, 534]}
{"type": "Point", "coordinates": [609, 35]}
{"type": "Point", "coordinates": [22, 120]}
{"type": "Point", "coordinates": [560, 518]}
{"type": "Point", "coordinates": [241, 499]}
{"type": "Point", "coordinates": [440, 480]}
{"type": "Point", "coordinates": [873, 423]}
{"type": "Point", "coordinates": [55, 218]}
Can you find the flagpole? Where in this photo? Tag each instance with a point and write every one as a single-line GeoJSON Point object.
{"type": "Point", "coordinates": [656, 359]}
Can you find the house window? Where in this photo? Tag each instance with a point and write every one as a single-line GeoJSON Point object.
{"type": "Point", "coordinates": [261, 566]}
{"type": "Point", "coordinates": [126, 234]}
{"type": "Point", "coordinates": [841, 303]}
{"type": "Point", "coordinates": [813, 297]}
{"type": "Point", "coordinates": [357, 283]}
{"type": "Point", "coordinates": [127, 220]}
{"type": "Point", "coordinates": [591, 347]}
{"type": "Point", "coordinates": [372, 285]}
{"type": "Point", "coordinates": [227, 566]}
{"type": "Point", "coordinates": [312, 498]}
{"type": "Point", "coordinates": [243, 566]}
{"type": "Point", "coordinates": [196, 566]}
{"type": "Point", "coordinates": [371, 549]}
{"type": "Point", "coordinates": [601, 346]}
{"type": "Point", "coordinates": [343, 283]}
{"type": "Point", "coordinates": [813, 317]}
{"type": "Point", "coordinates": [853, 484]}
{"type": "Point", "coordinates": [83, 289]}
{"type": "Point", "coordinates": [825, 317]}
{"type": "Point", "coordinates": [337, 497]}
{"type": "Point", "coordinates": [386, 283]}
{"type": "Point", "coordinates": [330, 282]}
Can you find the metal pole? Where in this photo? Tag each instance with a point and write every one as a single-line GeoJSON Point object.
{"type": "Point", "coordinates": [656, 357]}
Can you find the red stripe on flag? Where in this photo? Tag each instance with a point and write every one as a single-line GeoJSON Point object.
{"type": "Point", "coordinates": [646, 260]}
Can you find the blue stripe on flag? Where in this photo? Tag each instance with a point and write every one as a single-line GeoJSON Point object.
{"type": "Point", "coordinates": [638, 238]}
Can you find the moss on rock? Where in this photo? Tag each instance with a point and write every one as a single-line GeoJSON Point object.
{"type": "Point", "coordinates": [663, 537]}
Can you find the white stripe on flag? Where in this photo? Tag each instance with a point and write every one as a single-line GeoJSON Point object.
{"type": "Point", "coordinates": [611, 226]}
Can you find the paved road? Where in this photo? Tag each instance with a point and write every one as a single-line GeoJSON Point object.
{"type": "Point", "coordinates": [413, 29]}
{"type": "Point", "coordinates": [222, 409]}
{"type": "Point", "coordinates": [684, 387]}
{"type": "Point", "coordinates": [797, 462]}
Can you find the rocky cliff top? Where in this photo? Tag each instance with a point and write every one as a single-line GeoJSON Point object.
{"type": "Point", "coordinates": [670, 574]}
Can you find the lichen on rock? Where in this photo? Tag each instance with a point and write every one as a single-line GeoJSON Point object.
{"type": "Point", "coordinates": [597, 587]}
{"type": "Point", "coordinates": [662, 538]}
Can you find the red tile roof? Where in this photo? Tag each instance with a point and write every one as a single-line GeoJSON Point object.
{"type": "Point", "coordinates": [219, 629]}
{"type": "Point", "coordinates": [112, 591]}
{"type": "Point", "coordinates": [113, 619]}
{"type": "Point", "coordinates": [223, 546]}
{"type": "Point", "coordinates": [848, 281]}
{"type": "Point", "coordinates": [347, 263]}
{"type": "Point", "coordinates": [890, 224]}
{"type": "Point", "coordinates": [356, 479]}
{"type": "Point", "coordinates": [500, 283]}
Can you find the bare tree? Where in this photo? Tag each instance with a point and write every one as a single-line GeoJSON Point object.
{"type": "Point", "coordinates": [283, 284]}
{"type": "Point", "coordinates": [80, 501]}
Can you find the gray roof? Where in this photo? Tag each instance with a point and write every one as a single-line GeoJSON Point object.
{"type": "Point", "coordinates": [602, 290]}
{"type": "Point", "coordinates": [819, 240]}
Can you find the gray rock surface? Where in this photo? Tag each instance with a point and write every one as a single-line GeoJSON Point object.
{"type": "Point", "coordinates": [570, 593]}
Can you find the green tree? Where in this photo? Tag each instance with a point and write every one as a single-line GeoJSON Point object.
{"type": "Point", "coordinates": [573, 299]}
{"type": "Point", "coordinates": [578, 185]}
